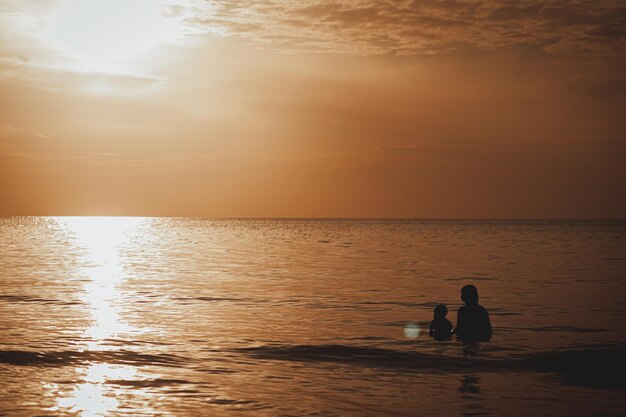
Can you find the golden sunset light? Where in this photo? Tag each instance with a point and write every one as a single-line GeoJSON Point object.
{"type": "Point", "coordinates": [277, 208]}
{"type": "Point", "coordinates": [312, 109]}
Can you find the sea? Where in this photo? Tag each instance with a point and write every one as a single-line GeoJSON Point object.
{"type": "Point", "coordinates": [134, 316]}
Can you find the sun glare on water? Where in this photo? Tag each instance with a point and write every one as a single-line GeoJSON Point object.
{"type": "Point", "coordinates": [104, 35]}
{"type": "Point", "coordinates": [100, 243]}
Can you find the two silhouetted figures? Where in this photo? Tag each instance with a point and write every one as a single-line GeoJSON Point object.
{"type": "Point", "coordinates": [472, 320]}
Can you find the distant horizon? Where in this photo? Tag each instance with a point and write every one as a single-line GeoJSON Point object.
{"type": "Point", "coordinates": [611, 219]}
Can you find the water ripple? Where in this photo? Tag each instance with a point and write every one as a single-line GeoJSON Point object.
{"type": "Point", "coordinates": [72, 357]}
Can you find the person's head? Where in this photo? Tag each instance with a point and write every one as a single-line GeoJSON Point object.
{"type": "Point", "coordinates": [440, 311]}
{"type": "Point", "coordinates": [469, 294]}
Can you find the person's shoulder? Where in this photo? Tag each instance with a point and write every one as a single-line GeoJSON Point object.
{"type": "Point", "coordinates": [482, 309]}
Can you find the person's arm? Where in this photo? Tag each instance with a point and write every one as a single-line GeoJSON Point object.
{"type": "Point", "coordinates": [489, 328]}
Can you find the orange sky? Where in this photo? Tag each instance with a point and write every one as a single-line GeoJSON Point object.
{"type": "Point", "coordinates": [313, 108]}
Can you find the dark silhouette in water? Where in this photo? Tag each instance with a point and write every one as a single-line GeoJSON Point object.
{"type": "Point", "coordinates": [440, 327]}
{"type": "Point", "coordinates": [472, 320]}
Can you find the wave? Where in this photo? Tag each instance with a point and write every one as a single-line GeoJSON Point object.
{"type": "Point", "coordinates": [594, 366]}
{"type": "Point", "coordinates": [148, 383]}
{"type": "Point", "coordinates": [188, 300]}
{"type": "Point", "coordinates": [570, 329]}
{"type": "Point", "coordinates": [26, 299]}
{"type": "Point", "coordinates": [370, 356]}
{"type": "Point", "coordinates": [70, 357]}
{"type": "Point", "coordinates": [601, 367]}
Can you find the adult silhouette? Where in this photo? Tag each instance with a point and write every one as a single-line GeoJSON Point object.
{"type": "Point", "coordinates": [472, 320]}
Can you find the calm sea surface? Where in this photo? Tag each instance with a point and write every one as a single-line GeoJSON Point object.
{"type": "Point", "coordinates": [157, 316]}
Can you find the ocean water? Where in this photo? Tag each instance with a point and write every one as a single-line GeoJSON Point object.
{"type": "Point", "coordinates": [187, 317]}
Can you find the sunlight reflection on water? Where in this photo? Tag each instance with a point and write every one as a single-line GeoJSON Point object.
{"type": "Point", "coordinates": [101, 242]}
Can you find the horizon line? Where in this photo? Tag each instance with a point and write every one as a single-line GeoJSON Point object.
{"type": "Point", "coordinates": [334, 218]}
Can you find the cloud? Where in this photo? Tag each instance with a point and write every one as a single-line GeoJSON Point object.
{"type": "Point", "coordinates": [593, 29]}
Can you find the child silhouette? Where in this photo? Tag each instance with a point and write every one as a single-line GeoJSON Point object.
{"type": "Point", "coordinates": [440, 327]}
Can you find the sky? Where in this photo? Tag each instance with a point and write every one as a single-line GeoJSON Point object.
{"type": "Point", "coordinates": [313, 108]}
